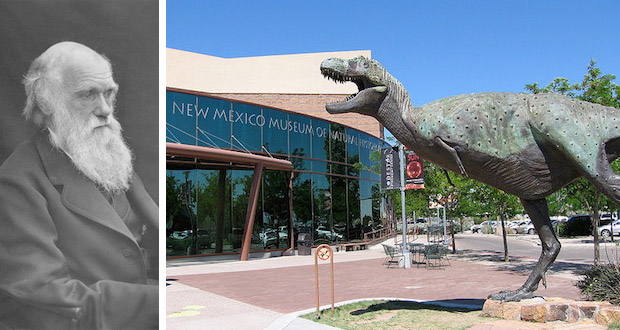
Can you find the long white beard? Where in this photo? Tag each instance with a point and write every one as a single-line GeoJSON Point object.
{"type": "Point", "coordinates": [99, 153]}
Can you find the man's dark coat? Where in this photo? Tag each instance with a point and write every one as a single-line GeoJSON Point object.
{"type": "Point", "coordinates": [67, 258]}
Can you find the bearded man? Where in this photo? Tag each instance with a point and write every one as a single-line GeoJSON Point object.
{"type": "Point", "coordinates": [78, 231]}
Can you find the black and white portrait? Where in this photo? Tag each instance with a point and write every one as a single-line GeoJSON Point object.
{"type": "Point", "coordinates": [79, 174]}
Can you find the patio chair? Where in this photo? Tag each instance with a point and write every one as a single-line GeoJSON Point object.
{"type": "Point", "coordinates": [444, 253]}
{"type": "Point", "coordinates": [390, 254]}
{"type": "Point", "coordinates": [433, 256]}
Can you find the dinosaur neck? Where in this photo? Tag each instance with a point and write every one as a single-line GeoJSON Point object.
{"type": "Point", "coordinates": [390, 113]}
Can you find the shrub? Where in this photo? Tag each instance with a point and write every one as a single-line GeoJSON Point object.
{"type": "Point", "coordinates": [601, 282]}
{"type": "Point", "coordinates": [488, 229]}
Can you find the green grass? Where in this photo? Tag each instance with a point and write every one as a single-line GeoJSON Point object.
{"type": "Point", "coordinates": [381, 314]}
{"type": "Point", "coordinates": [614, 326]}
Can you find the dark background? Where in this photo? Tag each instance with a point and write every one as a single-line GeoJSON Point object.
{"type": "Point", "coordinates": [126, 31]}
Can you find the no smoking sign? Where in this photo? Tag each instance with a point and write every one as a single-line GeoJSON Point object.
{"type": "Point", "coordinates": [324, 253]}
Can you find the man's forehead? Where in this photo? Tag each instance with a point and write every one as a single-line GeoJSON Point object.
{"type": "Point", "coordinates": [88, 70]}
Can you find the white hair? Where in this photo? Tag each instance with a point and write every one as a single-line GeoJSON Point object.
{"type": "Point", "coordinates": [42, 83]}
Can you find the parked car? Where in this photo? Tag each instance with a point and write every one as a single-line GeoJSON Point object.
{"type": "Point", "coordinates": [269, 237]}
{"type": "Point", "coordinates": [527, 227]}
{"type": "Point", "coordinates": [181, 234]}
{"type": "Point", "coordinates": [512, 227]}
{"type": "Point", "coordinates": [283, 233]}
{"type": "Point", "coordinates": [323, 232]}
{"type": "Point", "coordinates": [478, 228]}
{"type": "Point", "coordinates": [559, 218]}
{"type": "Point", "coordinates": [605, 219]}
{"type": "Point", "coordinates": [605, 231]}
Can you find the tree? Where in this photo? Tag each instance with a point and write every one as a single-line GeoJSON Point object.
{"type": "Point", "coordinates": [596, 88]}
{"type": "Point", "coordinates": [496, 203]}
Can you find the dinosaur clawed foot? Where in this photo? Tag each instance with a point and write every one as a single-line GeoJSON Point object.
{"type": "Point", "coordinates": [516, 295]}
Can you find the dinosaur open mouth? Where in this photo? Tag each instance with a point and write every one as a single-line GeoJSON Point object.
{"type": "Point", "coordinates": [352, 101]}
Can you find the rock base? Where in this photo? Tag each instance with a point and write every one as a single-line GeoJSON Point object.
{"type": "Point", "coordinates": [553, 309]}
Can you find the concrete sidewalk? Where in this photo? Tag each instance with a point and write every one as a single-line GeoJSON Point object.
{"type": "Point", "coordinates": [271, 293]}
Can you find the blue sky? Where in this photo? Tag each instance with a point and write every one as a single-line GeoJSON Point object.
{"type": "Point", "coordinates": [435, 48]}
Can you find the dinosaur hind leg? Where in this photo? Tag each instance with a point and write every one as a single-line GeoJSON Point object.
{"type": "Point", "coordinates": [539, 214]}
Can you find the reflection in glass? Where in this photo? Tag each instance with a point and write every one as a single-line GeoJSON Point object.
{"type": "Point", "coordinates": [180, 212]}
{"type": "Point", "coordinates": [275, 210]}
{"type": "Point", "coordinates": [302, 203]}
{"type": "Point", "coordinates": [213, 127]}
{"type": "Point", "coordinates": [246, 129]}
{"type": "Point", "coordinates": [319, 141]}
{"type": "Point", "coordinates": [275, 131]}
{"type": "Point", "coordinates": [322, 201]}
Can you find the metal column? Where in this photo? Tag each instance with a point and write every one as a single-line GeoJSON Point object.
{"type": "Point", "coordinates": [251, 212]}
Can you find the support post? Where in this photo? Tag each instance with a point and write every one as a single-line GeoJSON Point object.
{"type": "Point", "coordinates": [291, 232]}
{"type": "Point", "coordinates": [406, 255]}
{"type": "Point", "coordinates": [251, 212]}
{"type": "Point", "coordinates": [445, 230]}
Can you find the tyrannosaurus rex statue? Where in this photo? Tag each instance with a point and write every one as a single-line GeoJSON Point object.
{"type": "Point", "coordinates": [528, 145]}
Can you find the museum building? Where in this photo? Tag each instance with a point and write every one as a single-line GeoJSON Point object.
{"type": "Point", "coordinates": [253, 159]}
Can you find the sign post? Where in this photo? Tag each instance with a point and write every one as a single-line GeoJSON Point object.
{"type": "Point", "coordinates": [406, 255]}
{"type": "Point", "coordinates": [410, 176]}
{"type": "Point", "coordinates": [323, 252]}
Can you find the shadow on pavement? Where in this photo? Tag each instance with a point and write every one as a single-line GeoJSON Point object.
{"type": "Point", "coordinates": [516, 264]}
{"type": "Point", "coordinates": [438, 305]}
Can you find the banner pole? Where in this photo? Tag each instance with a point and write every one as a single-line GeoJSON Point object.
{"type": "Point", "coordinates": [406, 256]}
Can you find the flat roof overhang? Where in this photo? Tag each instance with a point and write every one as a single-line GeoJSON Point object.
{"type": "Point", "coordinates": [228, 156]}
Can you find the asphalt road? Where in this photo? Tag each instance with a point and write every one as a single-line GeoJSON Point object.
{"type": "Point", "coordinates": [527, 246]}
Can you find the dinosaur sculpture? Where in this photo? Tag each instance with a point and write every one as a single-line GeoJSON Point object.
{"type": "Point", "coordinates": [528, 145]}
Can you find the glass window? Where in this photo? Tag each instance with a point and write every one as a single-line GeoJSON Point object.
{"type": "Point", "coordinates": [322, 202]}
{"type": "Point", "coordinates": [354, 209]}
{"type": "Point", "coordinates": [241, 183]}
{"type": "Point", "coordinates": [275, 131]}
{"type": "Point", "coordinates": [369, 148]}
{"type": "Point", "coordinates": [376, 205]}
{"type": "Point", "coordinates": [338, 150]}
{"type": "Point", "coordinates": [181, 227]}
{"type": "Point", "coordinates": [300, 134]}
{"type": "Point", "coordinates": [214, 125]}
{"type": "Point", "coordinates": [320, 140]}
{"type": "Point", "coordinates": [180, 117]}
{"type": "Point", "coordinates": [340, 211]}
{"type": "Point", "coordinates": [246, 122]}
{"type": "Point", "coordinates": [302, 203]}
{"type": "Point", "coordinates": [353, 146]}
{"type": "Point", "coordinates": [338, 147]}
{"type": "Point", "coordinates": [319, 166]}
{"type": "Point", "coordinates": [275, 210]}
{"type": "Point", "coordinates": [213, 211]}
{"type": "Point", "coordinates": [301, 164]}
